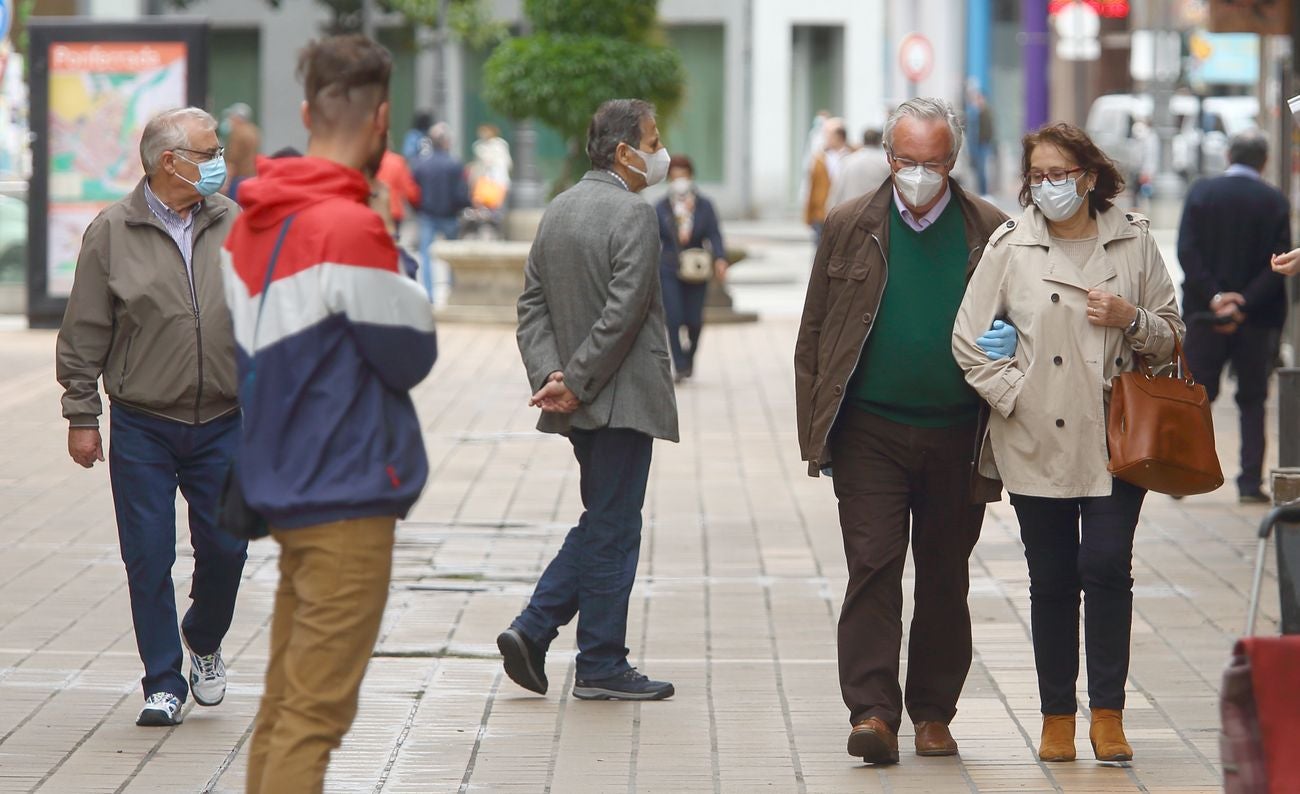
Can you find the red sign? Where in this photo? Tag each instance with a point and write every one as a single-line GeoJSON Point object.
{"type": "Point", "coordinates": [1107, 9]}
{"type": "Point", "coordinates": [916, 57]}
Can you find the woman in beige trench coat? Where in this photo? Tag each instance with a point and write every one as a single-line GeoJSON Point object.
{"type": "Point", "coordinates": [1069, 293]}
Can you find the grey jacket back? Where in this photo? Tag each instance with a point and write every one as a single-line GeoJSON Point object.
{"type": "Point", "coordinates": [592, 308]}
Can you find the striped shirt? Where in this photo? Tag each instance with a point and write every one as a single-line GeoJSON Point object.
{"type": "Point", "coordinates": [181, 230]}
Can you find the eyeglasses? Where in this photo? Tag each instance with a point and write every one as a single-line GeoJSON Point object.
{"type": "Point", "coordinates": [1056, 176]}
{"type": "Point", "coordinates": [204, 155]}
{"type": "Point", "coordinates": [906, 163]}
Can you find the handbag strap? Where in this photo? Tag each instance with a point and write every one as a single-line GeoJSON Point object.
{"type": "Point", "coordinates": [1182, 371]}
{"type": "Point", "coordinates": [266, 287]}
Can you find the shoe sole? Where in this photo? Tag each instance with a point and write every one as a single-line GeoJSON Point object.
{"type": "Point", "coordinates": [871, 748]}
{"type": "Point", "coordinates": [936, 753]}
{"type": "Point", "coordinates": [1116, 758]}
{"type": "Point", "coordinates": [600, 693]}
{"type": "Point", "coordinates": [518, 667]}
{"type": "Point", "coordinates": [203, 702]}
{"type": "Point", "coordinates": [156, 719]}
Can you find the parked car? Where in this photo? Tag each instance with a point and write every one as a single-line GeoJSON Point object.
{"type": "Point", "coordinates": [1200, 145]}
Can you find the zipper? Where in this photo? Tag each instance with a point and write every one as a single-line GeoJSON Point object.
{"type": "Point", "coordinates": [880, 296]}
{"type": "Point", "coordinates": [198, 326]}
{"type": "Point", "coordinates": [126, 357]}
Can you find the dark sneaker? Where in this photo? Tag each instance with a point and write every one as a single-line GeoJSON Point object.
{"type": "Point", "coordinates": [161, 709]}
{"type": "Point", "coordinates": [207, 678]}
{"type": "Point", "coordinates": [625, 686]}
{"type": "Point", "coordinates": [1254, 498]}
{"type": "Point", "coordinates": [525, 663]}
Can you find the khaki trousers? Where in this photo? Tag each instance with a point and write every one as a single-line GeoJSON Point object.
{"type": "Point", "coordinates": [333, 588]}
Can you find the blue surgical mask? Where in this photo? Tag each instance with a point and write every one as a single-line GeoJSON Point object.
{"type": "Point", "coordinates": [212, 175]}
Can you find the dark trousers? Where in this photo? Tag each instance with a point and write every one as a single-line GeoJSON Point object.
{"type": "Point", "coordinates": [1078, 546]}
{"type": "Point", "coordinates": [887, 476]}
{"type": "Point", "coordinates": [1252, 351]}
{"type": "Point", "coordinates": [684, 308]}
{"type": "Point", "coordinates": [148, 459]}
{"type": "Point", "coordinates": [593, 572]}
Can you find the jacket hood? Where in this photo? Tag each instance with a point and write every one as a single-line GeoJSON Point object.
{"type": "Point", "coordinates": [289, 185]}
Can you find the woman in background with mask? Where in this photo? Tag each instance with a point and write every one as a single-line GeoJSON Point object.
{"type": "Point", "coordinates": [687, 221]}
{"type": "Point", "coordinates": [1084, 285]}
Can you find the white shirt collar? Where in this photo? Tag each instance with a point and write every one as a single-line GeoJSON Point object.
{"type": "Point", "coordinates": [925, 221]}
{"type": "Point", "coordinates": [1238, 169]}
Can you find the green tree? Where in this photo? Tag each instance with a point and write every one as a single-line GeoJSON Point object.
{"type": "Point", "coordinates": [581, 53]}
{"type": "Point", "coordinates": [468, 19]}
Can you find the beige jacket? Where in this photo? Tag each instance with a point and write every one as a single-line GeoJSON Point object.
{"type": "Point", "coordinates": [1047, 434]}
{"type": "Point", "coordinates": [133, 320]}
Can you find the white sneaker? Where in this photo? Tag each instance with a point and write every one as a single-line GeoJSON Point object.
{"type": "Point", "coordinates": [207, 678]}
{"type": "Point", "coordinates": [161, 709]}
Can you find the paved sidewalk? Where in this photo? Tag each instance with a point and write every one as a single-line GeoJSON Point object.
{"type": "Point", "coordinates": [736, 601]}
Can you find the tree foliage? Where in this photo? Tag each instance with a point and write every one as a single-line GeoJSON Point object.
{"type": "Point", "coordinates": [582, 53]}
{"type": "Point", "coordinates": [470, 20]}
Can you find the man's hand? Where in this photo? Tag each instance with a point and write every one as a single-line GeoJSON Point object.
{"type": "Point", "coordinates": [1228, 305]}
{"type": "Point", "coordinates": [1288, 264]}
{"type": "Point", "coordinates": [1109, 310]}
{"type": "Point", "coordinates": [720, 266]}
{"type": "Point", "coordinates": [999, 341]}
{"type": "Point", "coordinates": [85, 446]}
{"type": "Point", "coordinates": [555, 397]}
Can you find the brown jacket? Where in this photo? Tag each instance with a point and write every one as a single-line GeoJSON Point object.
{"type": "Point", "coordinates": [819, 188]}
{"type": "Point", "coordinates": [131, 318]}
{"type": "Point", "coordinates": [844, 292]}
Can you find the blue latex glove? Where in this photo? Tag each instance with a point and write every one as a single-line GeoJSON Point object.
{"type": "Point", "coordinates": [999, 341]}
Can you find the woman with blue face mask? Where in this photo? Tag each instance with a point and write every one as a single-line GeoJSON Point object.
{"type": "Point", "coordinates": [1080, 290]}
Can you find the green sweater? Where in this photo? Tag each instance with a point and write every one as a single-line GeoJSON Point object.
{"type": "Point", "coordinates": [907, 373]}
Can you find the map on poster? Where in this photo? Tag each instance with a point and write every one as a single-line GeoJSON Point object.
{"type": "Point", "coordinates": [101, 96]}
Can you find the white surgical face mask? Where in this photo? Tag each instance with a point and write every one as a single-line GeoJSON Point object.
{"type": "Point", "coordinates": [1057, 202]}
{"type": "Point", "coordinates": [656, 165]}
{"type": "Point", "coordinates": [918, 185]}
{"type": "Point", "coordinates": [681, 186]}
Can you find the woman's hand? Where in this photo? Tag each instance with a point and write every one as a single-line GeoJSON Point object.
{"type": "Point", "coordinates": [720, 268]}
{"type": "Point", "coordinates": [1109, 310]}
{"type": "Point", "coordinates": [1288, 264]}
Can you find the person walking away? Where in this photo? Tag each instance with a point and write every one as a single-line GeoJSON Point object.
{"type": "Point", "coordinates": [862, 171]}
{"type": "Point", "coordinates": [883, 409]}
{"type": "Point", "coordinates": [444, 192]}
{"type": "Point", "coordinates": [394, 174]}
{"type": "Point", "coordinates": [591, 332]}
{"type": "Point", "coordinates": [1233, 303]}
{"type": "Point", "coordinates": [1079, 289]}
{"type": "Point", "coordinates": [686, 220]}
{"type": "Point", "coordinates": [332, 338]}
{"type": "Point", "coordinates": [146, 261]}
{"type": "Point", "coordinates": [416, 143]}
{"type": "Point", "coordinates": [243, 143]}
{"type": "Point", "coordinates": [822, 175]}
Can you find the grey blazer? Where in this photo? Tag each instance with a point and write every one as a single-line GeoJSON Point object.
{"type": "Point", "coordinates": [592, 308]}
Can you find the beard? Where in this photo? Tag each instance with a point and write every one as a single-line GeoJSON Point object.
{"type": "Point", "coordinates": [371, 166]}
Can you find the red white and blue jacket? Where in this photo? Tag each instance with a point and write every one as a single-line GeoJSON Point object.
{"type": "Point", "coordinates": [330, 432]}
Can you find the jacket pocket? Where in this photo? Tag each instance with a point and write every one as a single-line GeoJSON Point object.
{"type": "Point", "coordinates": [126, 359]}
{"type": "Point", "coordinates": [846, 268]}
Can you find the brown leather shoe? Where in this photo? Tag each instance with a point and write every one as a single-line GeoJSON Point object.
{"type": "Point", "coordinates": [1107, 735]}
{"type": "Point", "coordinates": [933, 738]}
{"type": "Point", "coordinates": [1057, 743]}
{"type": "Point", "coordinates": [873, 742]}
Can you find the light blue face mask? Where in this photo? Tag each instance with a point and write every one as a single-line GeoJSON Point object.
{"type": "Point", "coordinates": [212, 175]}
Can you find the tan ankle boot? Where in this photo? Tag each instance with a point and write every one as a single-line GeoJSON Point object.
{"type": "Point", "coordinates": [1107, 735]}
{"type": "Point", "coordinates": [1058, 738]}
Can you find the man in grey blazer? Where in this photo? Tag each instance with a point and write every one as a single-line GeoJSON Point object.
{"type": "Point", "coordinates": [593, 339]}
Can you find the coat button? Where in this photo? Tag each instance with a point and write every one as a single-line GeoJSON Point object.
{"type": "Point", "coordinates": [1011, 224]}
{"type": "Point", "coordinates": [838, 389]}
{"type": "Point", "coordinates": [866, 318]}
{"type": "Point", "coordinates": [1060, 423]}
{"type": "Point", "coordinates": [1119, 362]}
{"type": "Point", "coordinates": [1058, 361]}
{"type": "Point", "coordinates": [1056, 298]}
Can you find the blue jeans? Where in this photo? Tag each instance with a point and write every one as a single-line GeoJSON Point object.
{"type": "Point", "coordinates": [148, 459]}
{"type": "Point", "coordinates": [431, 227]}
{"type": "Point", "coordinates": [593, 572]}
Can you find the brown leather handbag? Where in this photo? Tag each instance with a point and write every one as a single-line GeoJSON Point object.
{"type": "Point", "coordinates": [1160, 432]}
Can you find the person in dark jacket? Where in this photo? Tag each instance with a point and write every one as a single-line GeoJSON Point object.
{"type": "Point", "coordinates": [1233, 302]}
{"type": "Point", "coordinates": [331, 338]}
{"type": "Point", "coordinates": [444, 192]}
{"type": "Point", "coordinates": [686, 220]}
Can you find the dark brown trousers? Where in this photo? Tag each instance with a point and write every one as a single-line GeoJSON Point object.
{"type": "Point", "coordinates": [889, 477]}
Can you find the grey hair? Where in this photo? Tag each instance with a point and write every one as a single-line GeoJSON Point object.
{"type": "Point", "coordinates": [1249, 148]}
{"type": "Point", "coordinates": [440, 135]}
{"type": "Point", "coordinates": [926, 109]}
{"type": "Point", "coordinates": [616, 121]}
{"type": "Point", "coordinates": [171, 130]}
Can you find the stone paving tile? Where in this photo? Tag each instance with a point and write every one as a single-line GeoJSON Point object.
{"type": "Point", "coordinates": [736, 603]}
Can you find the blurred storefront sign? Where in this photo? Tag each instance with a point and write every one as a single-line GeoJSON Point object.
{"type": "Point", "coordinates": [1106, 9]}
{"type": "Point", "coordinates": [1224, 58]}
{"type": "Point", "coordinates": [1265, 17]}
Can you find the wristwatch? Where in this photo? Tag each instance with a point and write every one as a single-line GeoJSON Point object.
{"type": "Point", "coordinates": [1133, 326]}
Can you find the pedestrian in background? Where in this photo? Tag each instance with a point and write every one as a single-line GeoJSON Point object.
{"type": "Point", "coordinates": [416, 143]}
{"type": "Point", "coordinates": [444, 192]}
{"type": "Point", "coordinates": [862, 171]}
{"type": "Point", "coordinates": [1084, 285]}
{"type": "Point", "coordinates": [822, 174]}
{"type": "Point", "coordinates": [1233, 302]}
{"type": "Point", "coordinates": [882, 407]}
{"type": "Point", "coordinates": [591, 331]}
{"type": "Point", "coordinates": [243, 144]}
{"type": "Point", "coordinates": [148, 264]}
{"type": "Point", "coordinates": [332, 339]}
{"type": "Point", "coordinates": [687, 220]}
{"type": "Point", "coordinates": [395, 175]}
